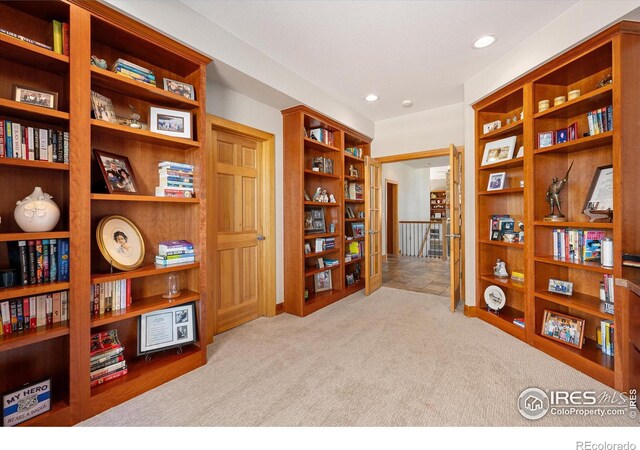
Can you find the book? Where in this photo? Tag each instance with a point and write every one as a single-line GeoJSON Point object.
{"type": "Point", "coordinates": [175, 245]}
{"type": "Point", "coordinates": [107, 361]}
{"type": "Point", "coordinates": [184, 260]}
{"type": "Point", "coordinates": [65, 39]}
{"type": "Point", "coordinates": [103, 371]}
{"type": "Point", "coordinates": [106, 355]}
{"type": "Point", "coordinates": [63, 260]}
{"type": "Point", "coordinates": [55, 34]}
{"type": "Point", "coordinates": [109, 377]}
{"type": "Point", "coordinates": [39, 262]}
{"type": "Point", "coordinates": [25, 39]}
{"type": "Point", "coordinates": [31, 261]}
{"type": "Point", "coordinates": [103, 342]}
{"type": "Point", "coordinates": [45, 261]}
{"type": "Point", "coordinates": [18, 259]}
{"type": "Point", "coordinates": [592, 245]}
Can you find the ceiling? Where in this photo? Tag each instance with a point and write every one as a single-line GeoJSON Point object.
{"type": "Point", "coordinates": [417, 50]}
{"type": "Point", "coordinates": [422, 163]}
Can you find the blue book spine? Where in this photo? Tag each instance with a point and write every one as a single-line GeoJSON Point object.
{"type": "Point", "coordinates": [53, 260]}
{"type": "Point", "coordinates": [63, 260]}
{"type": "Point", "coordinates": [610, 117]}
{"type": "Point", "coordinates": [8, 139]}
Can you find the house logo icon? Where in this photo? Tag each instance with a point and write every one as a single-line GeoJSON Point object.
{"type": "Point", "coordinates": [533, 403]}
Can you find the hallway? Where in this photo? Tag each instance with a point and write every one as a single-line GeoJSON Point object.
{"type": "Point", "coordinates": [426, 275]}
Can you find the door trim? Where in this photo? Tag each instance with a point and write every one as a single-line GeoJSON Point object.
{"type": "Point", "coordinates": [416, 155]}
{"type": "Point", "coordinates": [266, 206]}
{"type": "Point", "coordinates": [394, 216]}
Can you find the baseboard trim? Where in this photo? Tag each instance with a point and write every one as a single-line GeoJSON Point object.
{"type": "Point", "coordinates": [279, 308]}
{"type": "Point", "coordinates": [469, 311]}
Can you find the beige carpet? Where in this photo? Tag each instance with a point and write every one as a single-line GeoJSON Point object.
{"type": "Point", "coordinates": [396, 358]}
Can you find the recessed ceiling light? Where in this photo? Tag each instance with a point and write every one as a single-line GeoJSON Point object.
{"type": "Point", "coordinates": [484, 41]}
{"type": "Point", "coordinates": [407, 103]}
{"type": "Point", "coordinates": [371, 98]}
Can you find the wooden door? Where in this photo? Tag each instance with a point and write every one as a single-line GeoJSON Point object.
{"type": "Point", "coordinates": [392, 217]}
{"type": "Point", "coordinates": [237, 237]}
{"type": "Point", "coordinates": [454, 198]}
{"type": "Point", "coordinates": [373, 224]}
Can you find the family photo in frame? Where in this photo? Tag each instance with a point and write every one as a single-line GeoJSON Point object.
{"type": "Point", "coordinates": [563, 328]}
{"type": "Point", "coordinates": [117, 172]}
{"type": "Point", "coordinates": [36, 97]}
{"type": "Point", "coordinates": [170, 122]}
{"type": "Point", "coordinates": [498, 151]}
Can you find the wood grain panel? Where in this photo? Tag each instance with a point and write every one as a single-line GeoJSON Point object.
{"type": "Point", "coordinates": [225, 193]}
{"type": "Point", "coordinates": [249, 204]}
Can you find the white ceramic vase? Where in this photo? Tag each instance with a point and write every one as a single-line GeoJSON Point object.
{"type": "Point", "coordinates": [37, 212]}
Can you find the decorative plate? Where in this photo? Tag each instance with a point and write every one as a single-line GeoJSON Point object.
{"type": "Point", "coordinates": [120, 242]}
{"type": "Point", "coordinates": [494, 297]}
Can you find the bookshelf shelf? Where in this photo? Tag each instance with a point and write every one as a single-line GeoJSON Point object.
{"type": "Point", "coordinates": [27, 291]}
{"type": "Point", "coordinates": [578, 145]}
{"type": "Point", "coordinates": [505, 191]}
{"type": "Point", "coordinates": [144, 136]}
{"type": "Point", "coordinates": [350, 200]}
{"type": "Point", "coordinates": [511, 129]}
{"type": "Point", "coordinates": [504, 320]}
{"type": "Point", "coordinates": [519, 245]}
{"type": "Point", "coordinates": [311, 173]}
{"type": "Point", "coordinates": [326, 252]}
{"type": "Point", "coordinates": [144, 305]}
{"type": "Point", "coordinates": [19, 339]}
{"type": "Point", "coordinates": [31, 112]}
{"type": "Point", "coordinates": [32, 55]}
{"type": "Point", "coordinates": [356, 179]}
{"type": "Point", "coordinates": [515, 162]}
{"type": "Point", "coordinates": [353, 158]}
{"type": "Point", "coordinates": [578, 301]}
{"type": "Point", "coordinates": [321, 146]}
{"type": "Point", "coordinates": [507, 283]}
{"type": "Point", "coordinates": [27, 164]}
{"type": "Point", "coordinates": [309, 273]}
{"type": "Point", "coordinates": [330, 205]}
{"type": "Point", "coordinates": [148, 270]}
{"type": "Point", "coordinates": [596, 225]}
{"type": "Point", "coordinates": [9, 237]}
{"type": "Point", "coordinates": [141, 198]}
{"type": "Point", "coordinates": [585, 265]}
{"type": "Point", "coordinates": [586, 102]}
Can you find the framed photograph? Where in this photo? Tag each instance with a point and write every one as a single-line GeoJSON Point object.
{"type": "Point", "coordinates": [357, 229]}
{"type": "Point", "coordinates": [520, 153]}
{"type": "Point", "coordinates": [562, 328]}
{"type": "Point", "coordinates": [171, 122]}
{"type": "Point", "coordinates": [498, 151]}
{"type": "Point", "coordinates": [314, 220]}
{"type": "Point", "coordinates": [561, 136]}
{"type": "Point", "coordinates": [117, 172]}
{"type": "Point", "coordinates": [510, 237]}
{"type": "Point", "coordinates": [180, 88]}
{"type": "Point", "coordinates": [36, 97]}
{"type": "Point", "coordinates": [350, 280]}
{"type": "Point", "coordinates": [491, 126]}
{"type": "Point", "coordinates": [560, 287]}
{"type": "Point", "coordinates": [102, 108]}
{"type": "Point", "coordinates": [546, 139]}
{"type": "Point", "coordinates": [120, 242]}
{"type": "Point", "coordinates": [322, 281]}
{"type": "Point", "coordinates": [167, 328]}
{"type": "Point", "coordinates": [307, 248]}
{"type": "Point", "coordinates": [600, 196]}
{"type": "Point", "coordinates": [26, 402]}
{"type": "Point", "coordinates": [496, 181]}
{"type": "Point", "coordinates": [495, 235]}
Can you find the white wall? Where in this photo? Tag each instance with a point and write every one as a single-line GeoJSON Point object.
{"type": "Point", "coordinates": [424, 130]}
{"type": "Point", "coordinates": [231, 105]}
{"type": "Point", "coordinates": [438, 178]}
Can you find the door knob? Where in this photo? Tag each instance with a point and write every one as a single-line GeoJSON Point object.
{"type": "Point", "coordinates": [260, 237]}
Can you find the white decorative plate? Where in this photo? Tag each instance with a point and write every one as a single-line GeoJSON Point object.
{"type": "Point", "coordinates": [494, 297]}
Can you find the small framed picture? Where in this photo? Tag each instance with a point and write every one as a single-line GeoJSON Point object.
{"type": "Point", "coordinates": [350, 279]}
{"type": "Point", "coordinates": [357, 229]}
{"type": "Point", "coordinates": [563, 328]}
{"type": "Point", "coordinates": [322, 281]}
{"type": "Point", "coordinates": [561, 136]}
{"type": "Point", "coordinates": [491, 126]}
{"type": "Point", "coordinates": [510, 237]}
{"type": "Point", "coordinates": [496, 181]}
{"type": "Point", "coordinates": [102, 108]}
{"type": "Point", "coordinates": [560, 287]}
{"type": "Point", "coordinates": [26, 402]}
{"type": "Point", "coordinates": [166, 328]}
{"type": "Point", "coordinates": [180, 88]}
{"type": "Point", "coordinates": [545, 139]}
{"type": "Point", "coordinates": [171, 122]}
{"type": "Point", "coordinates": [495, 235]}
{"type": "Point", "coordinates": [120, 242]}
{"type": "Point", "coordinates": [36, 97]}
{"type": "Point", "coordinates": [520, 153]}
{"type": "Point", "coordinates": [117, 172]}
{"type": "Point", "coordinates": [498, 151]}
{"type": "Point", "coordinates": [307, 248]}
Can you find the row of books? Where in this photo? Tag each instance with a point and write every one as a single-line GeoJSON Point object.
{"type": "Point", "coordinates": [35, 311]}
{"type": "Point", "coordinates": [34, 144]}
{"type": "Point", "coordinates": [59, 34]}
{"type": "Point", "coordinates": [321, 135]}
{"type": "Point", "coordinates": [577, 245]}
{"type": "Point", "coordinates": [321, 164]}
{"type": "Point", "coordinates": [40, 261]}
{"type": "Point", "coordinates": [354, 151]}
{"type": "Point", "coordinates": [110, 296]}
{"type": "Point", "coordinates": [604, 337]}
{"type": "Point", "coordinates": [353, 191]}
{"type": "Point", "coordinates": [107, 357]}
{"type": "Point", "coordinates": [175, 180]}
{"type": "Point", "coordinates": [600, 120]}
{"type": "Point", "coordinates": [607, 296]}
{"type": "Point", "coordinates": [133, 71]}
{"type": "Point", "coordinates": [324, 244]}
{"type": "Point", "coordinates": [175, 252]}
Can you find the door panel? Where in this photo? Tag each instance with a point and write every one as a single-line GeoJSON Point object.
{"type": "Point", "coordinates": [454, 197]}
{"type": "Point", "coordinates": [373, 225]}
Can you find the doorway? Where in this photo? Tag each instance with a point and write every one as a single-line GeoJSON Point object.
{"type": "Point", "coordinates": [391, 189]}
{"type": "Point", "coordinates": [241, 256]}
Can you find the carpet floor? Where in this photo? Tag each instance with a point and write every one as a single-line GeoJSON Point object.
{"type": "Point", "coordinates": [395, 358]}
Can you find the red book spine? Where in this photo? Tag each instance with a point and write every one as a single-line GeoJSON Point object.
{"type": "Point", "coordinates": [128, 292]}
{"type": "Point", "coordinates": [33, 312]}
{"type": "Point", "coordinates": [65, 38]}
{"type": "Point", "coordinates": [26, 312]}
{"type": "Point", "coordinates": [109, 377]}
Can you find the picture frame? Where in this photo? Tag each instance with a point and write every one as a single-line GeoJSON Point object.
{"type": "Point", "coordinates": [314, 220]}
{"type": "Point", "coordinates": [546, 139]}
{"type": "Point", "coordinates": [26, 402]}
{"type": "Point", "coordinates": [36, 97]}
{"type": "Point", "coordinates": [180, 88]}
{"type": "Point", "coordinates": [491, 126]}
{"type": "Point", "coordinates": [120, 242]}
{"type": "Point", "coordinates": [600, 195]}
{"type": "Point", "coordinates": [117, 172]}
{"type": "Point", "coordinates": [496, 181]}
{"type": "Point", "coordinates": [520, 153]}
{"type": "Point", "coordinates": [563, 328]}
{"type": "Point", "coordinates": [322, 281]}
{"type": "Point", "coordinates": [350, 279]}
{"type": "Point", "coordinates": [498, 151]}
{"type": "Point", "coordinates": [560, 287]}
{"type": "Point", "coordinates": [167, 328]}
{"type": "Point", "coordinates": [170, 122]}
{"type": "Point", "coordinates": [307, 248]}
{"type": "Point", "coordinates": [357, 229]}
{"type": "Point", "coordinates": [102, 108]}
{"type": "Point", "coordinates": [561, 136]}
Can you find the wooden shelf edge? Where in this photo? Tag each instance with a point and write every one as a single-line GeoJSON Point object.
{"type": "Point", "coordinates": [144, 135]}
{"type": "Point", "coordinates": [605, 225]}
{"type": "Point", "coordinates": [517, 190]}
{"type": "Point", "coordinates": [142, 198]}
{"type": "Point", "coordinates": [321, 145]}
{"type": "Point", "coordinates": [320, 174]}
{"type": "Point", "coordinates": [144, 271]}
{"type": "Point", "coordinates": [592, 266]}
{"type": "Point", "coordinates": [503, 322]}
{"type": "Point", "coordinates": [515, 162]}
{"type": "Point", "coordinates": [309, 273]}
{"type": "Point", "coordinates": [582, 302]}
{"type": "Point", "coordinates": [30, 290]}
{"type": "Point", "coordinates": [32, 110]}
{"type": "Point", "coordinates": [32, 336]}
{"type": "Point", "coordinates": [22, 236]}
{"type": "Point", "coordinates": [506, 283]}
{"type": "Point", "coordinates": [519, 245]}
{"type": "Point", "coordinates": [46, 58]}
{"type": "Point", "coordinates": [512, 127]}
{"type": "Point", "coordinates": [580, 144]}
{"type": "Point", "coordinates": [570, 103]}
{"type": "Point", "coordinates": [26, 163]}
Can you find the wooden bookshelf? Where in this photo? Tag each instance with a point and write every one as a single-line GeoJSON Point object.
{"type": "Point", "coordinates": [582, 67]}
{"type": "Point", "coordinates": [61, 351]}
{"type": "Point", "coordinates": [300, 152]}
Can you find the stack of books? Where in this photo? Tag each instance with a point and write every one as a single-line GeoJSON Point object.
{"type": "Point", "coordinates": [107, 359]}
{"type": "Point", "coordinates": [176, 180]}
{"type": "Point", "coordinates": [36, 311]}
{"type": "Point", "coordinates": [40, 261]}
{"type": "Point", "coordinates": [519, 321]}
{"type": "Point", "coordinates": [110, 296]}
{"type": "Point", "coordinates": [328, 262]}
{"type": "Point", "coordinates": [133, 71]}
{"type": "Point", "coordinates": [175, 252]}
{"type": "Point", "coordinates": [353, 191]}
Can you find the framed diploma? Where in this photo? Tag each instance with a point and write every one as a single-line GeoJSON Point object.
{"type": "Point", "coordinates": [600, 196]}
{"type": "Point", "coordinates": [166, 328]}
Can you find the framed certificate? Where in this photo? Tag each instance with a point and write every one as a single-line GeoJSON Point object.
{"type": "Point", "coordinates": [166, 328]}
{"type": "Point", "coordinates": [600, 196]}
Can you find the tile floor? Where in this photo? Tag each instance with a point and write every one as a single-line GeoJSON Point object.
{"type": "Point", "coordinates": [411, 273]}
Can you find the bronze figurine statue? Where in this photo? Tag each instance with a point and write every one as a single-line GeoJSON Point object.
{"type": "Point", "coordinates": [553, 198]}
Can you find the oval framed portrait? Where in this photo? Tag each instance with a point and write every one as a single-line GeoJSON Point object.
{"type": "Point", "coordinates": [120, 242]}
